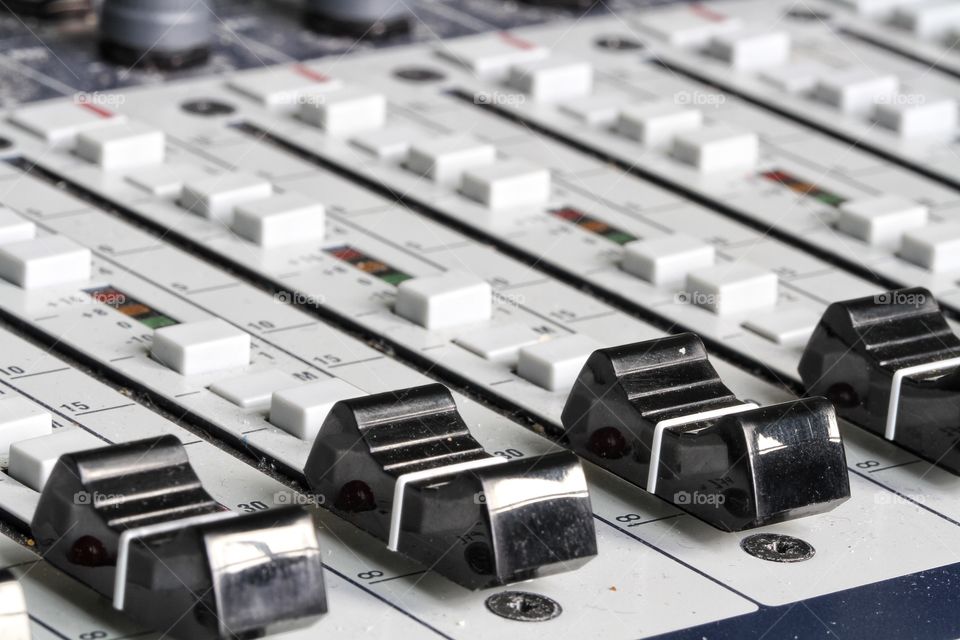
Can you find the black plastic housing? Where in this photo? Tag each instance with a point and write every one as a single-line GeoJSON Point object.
{"type": "Point", "coordinates": [514, 521]}
{"type": "Point", "coordinates": [745, 469]}
{"type": "Point", "coordinates": [241, 576]}
{"type": "Point", "coordinates": [860, 344]}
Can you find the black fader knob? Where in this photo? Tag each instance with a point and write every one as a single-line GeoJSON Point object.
{"type": "Point", "coordinates": [162, 34]}
{"type": "Point", "coordinates": [14, 619]}
{"type": "Point", "coordinates": [133, 522]}
{"type": "Point", "coordinates": [891, 364]}
{"type": "Point", "coordinates": [403, 467]}
{"type": "Point", "coordinates": [371, 19]}
{"type": "Point", "coordinates": [657, 414]}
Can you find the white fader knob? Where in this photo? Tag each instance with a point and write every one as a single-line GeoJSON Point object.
{"type": "Point", "coordinates": [44, 262]}
{"type": "Point", "coordinates": [448, 300]}
{"type": "Point", "coordinates": [204, 346]}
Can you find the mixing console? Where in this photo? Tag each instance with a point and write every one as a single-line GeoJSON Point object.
{"type": "Point", "coordinates": [476, 318]}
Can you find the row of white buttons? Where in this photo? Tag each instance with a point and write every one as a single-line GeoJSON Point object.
{"type": "Point", "coordinates": [900, 225]}
{"type": "Point", "coordinates": [721, 288]}
{"type": "Point", "coordinates": [679, 130]}
{"type": "Point", "coordinates": [211, 346]}
{"type": "Point", "coordinates": [852, 91]}
{"type": "Point", "coordinates": [860, 92]}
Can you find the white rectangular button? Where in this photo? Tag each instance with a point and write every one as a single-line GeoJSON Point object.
{"type": "Point", "coordinates": [791, 327]}
{"type": "Point", "coordinates": [716, 148]}
{"type": "Point", "coordinates": [300, 411]}
{"type": "Point", "coordinates": [555, 364]}
{"type": "Point", "coordinates": [595, 110]}
{"type": "Point", "coordinates": [553, 79]}
{"type": "Point", "coordinates": [752, 50]}
{"type": "Point", "coordinates": [216, 196]}
{"type": "Point", "coordinates": [204, 346]}
{"type": "Point", "coordinates": [855, 91]}
{"type": "Point", "coordinates": [122, 146]}
{"type": "Point", "coordinates": [447, 300]}
{"type": "Point", "coordinates": [491, 54]}
{"type": "Point", "coordinates": [881, 220]}
{"type": "Point", "coordinates": [935, 248]}
{"type": "Point", "coordinates": [164, 180]}
{"type": "Point", "coordinates": [253, 391]}
{"type": "Point", "coordinates": [59, 122]}
{"type": "Point", "coordinates": [345, 112]}
{"type": "Point", "coordinates": [21, 419]}
{"type": "Point", "coordinates": [687, 26]}
{"type": "Point", "coordinates": [32, 461]}
{"type": "Point", "coordinates": [13, 228]}
{"type": "Point", "coordinates": [286, 218]}
{"type": "Point", "coordinates": [390, 143]}
{"type": "Point", "coordinates": [666, 259]}
{"type": "Point", "coordinates": [44, 262]}
{"type": "Point", "coordinates": [283, 88]}
{"type": "Point", "coordinates": [507, 184]}
{"type": "Point", "coordinates": [500, 344]}
{"type": "Point", "coordinates": [732, 287]}
{"type": "Point", "coordinates": [931, 20]}
{"type": "Point", "coordinates": [656, 123]}
{"type": "Point", "coordinates": [445, 158]}
{"type": "Point", "coordinates": [917, 117]}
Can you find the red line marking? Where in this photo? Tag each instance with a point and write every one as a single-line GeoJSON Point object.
{"type": "Point", "coordinates": [707, 13]}
{"type": "Point", "coordinates": [307, 72]}
{"type": "Point", "coordinates": [100, 111]}
{"type": "Point", "coordinates": [516, 41]}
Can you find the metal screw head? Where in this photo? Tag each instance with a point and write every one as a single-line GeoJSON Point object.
{"type": "Point", "coordinates": [776, 547]}
{"type": "Point", "coordinates": [205, 107]}
{"type": "Point", "coordinates": [523, 606]}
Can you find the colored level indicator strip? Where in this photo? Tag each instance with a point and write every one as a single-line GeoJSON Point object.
{"type": "Point", "coordinates": [369, 264]}
{"type": "Point", "coordinates": [593, 225]}
{"type": "Point", "coordinates": [130, 307]}
{"type": "Point", "coordinates": [803, 187]}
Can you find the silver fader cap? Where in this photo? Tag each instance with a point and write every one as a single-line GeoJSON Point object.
{"type": "Point", "coordinates": [167, 34]}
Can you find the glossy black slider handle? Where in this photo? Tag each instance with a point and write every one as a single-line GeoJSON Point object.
{"type": "Point", "coordinates": [403, 467]}
{"type": "Point", "coordinates": [133, 522]}
{"type": "Point", "coordinates": [891, 364]}
{"type": "Point", "coordinates": [657, 414]}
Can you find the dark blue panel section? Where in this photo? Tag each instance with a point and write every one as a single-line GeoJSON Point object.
{"type": "Point", "coordinates": [919, 606]}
